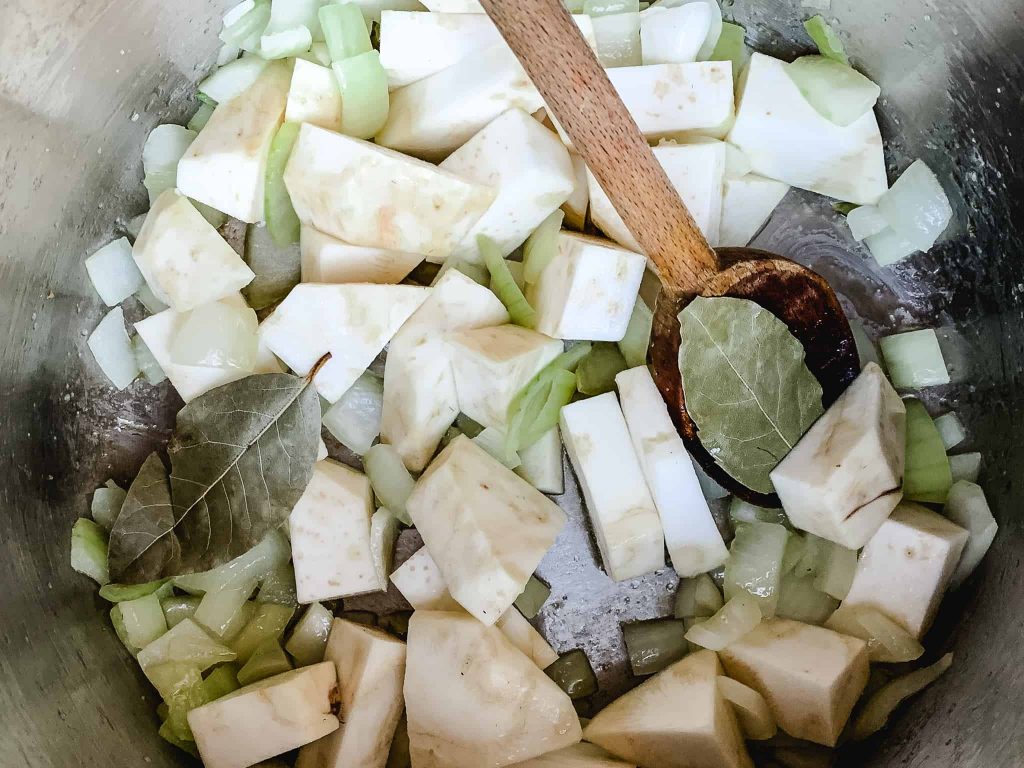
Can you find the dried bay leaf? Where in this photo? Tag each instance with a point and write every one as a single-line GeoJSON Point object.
{"type": "Point", "coordinates": [746, 386]}
{"type": "Point", "coordinates": [140, 544]}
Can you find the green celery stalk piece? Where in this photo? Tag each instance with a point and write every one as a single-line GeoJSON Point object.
{"type": "Point", "coordinates": [119, 593]}
{"type": "Point", "coordinates": [268, 622]}
{"type": "Point", "coordinates": [267, 660]}
{"type": "Point", "coordinates": [732, 47]}
{"type": "Point", "coordinates": [364, 94]}
{"type": "Point", "coordinates": [188, 695]}
{"type": "Point", "coordinates": [635, 343]}
{"type": "Point", "coordinates": [596, 373]}
{"type": "Point", "coordinates": [89, 550]}
{"type": "Point", "coordinates": [168, 734]}
{"type": "Point", "coordinates": [282, 222]}
{"type": "Point", "coordinates": [533, 597]}
{"type": "Point", "coordinates": [201, 117]}
{"type": "Point", "coordinates": [177, 609]}
{"type": "Point", "coordinates": [653, 645]}
{"type": "Point", "coordinates": [573, 674]}
{"type": "Point", "coordinates": [541, 246]}
{"type": "Point", "coordinates": [926, 473]}
{"type": "Point", "coordinates": [221, 681]}
{"type": "Point", "coordinates": [344, 31]}
{"type": "Point", "coordinates": [504, 284]}
{"type": "Point", "coordinates": [120, 630]}
{"type": "Point", "coordinates": [828, 42]}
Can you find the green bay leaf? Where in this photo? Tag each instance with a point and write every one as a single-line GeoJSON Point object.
{"type": "Point", "coordinates": [746, 386]}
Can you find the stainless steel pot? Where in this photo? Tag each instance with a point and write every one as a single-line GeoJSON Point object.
{"type": "Point", "coordinates": [81, 84]}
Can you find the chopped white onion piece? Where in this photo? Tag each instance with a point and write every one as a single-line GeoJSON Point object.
{"type": "Point", "coordinates": [735, 619]}
{"type": "Point", "coordinates": [914, 360]}
{"type": "Point", "coordinates": [865, 221]}
{"type": "Point", "coordinates": [967, 507]}
{"type": "Point", "coordinates": [163, 149]}
{"type": "Point", "coordinates": [697, 596]}
{"type": "Point", "coordinates": [916, 206]}
{"type": "Point", "coordinates": [287, 42]}
{"type": "Point", "coordinates": [965, 466]}
{"type": "Point", "coordinates": [113, 272]}
{"type": "Point", "coordinates": [714, 26]}
{"type": "Point", "coordinates": [259, 561]}
{"type": "Point", "coordinates": [887, 641]}
{"type": "Point", "coordinates": [143, 620]}
{"type": "Point", "coordinates": [383, 533]}
{"type": "Point", "coordinates": [149, 300]}
{"type": "Point", "coordinates": [151, 370]}
{"type": "Point", "coordinates": [755, 564]}
{"type": "Point", "coordinates": [618, 39]}
{"type": "Point", "coordinates": [113, 350]}
{"type": "Point", "coordinates": [89, 550]}
{"type": "Point", "coordinates": [888, 247]}
{"type": "Point", "coordinates": [244, 24]}
{"type": "Point", "coordinates": [835, 570]}
{"type": "Point", "coordinates": [227, 54]}
{"type": "Point", "coordinates": [801, 600]}
{"type": "Point", "coordinates": [221, 334]}
{"type": "Point", "coordinates": [219, 609]}
{"type": "Point", "coordinates": [881, 705]}
{"type": "Point", "coordinates": [756, 719]}
{"type": "Point", "coordinates": [233, 78]}
{"type": "Point", "coordinates": [493, 441]}
{"type": "Point", "coordinates": [309, 638]}
{"type": "Point", "coordinates": [951, 430]}
{"type": "Point", "coordinates": [106, 504]}
{"type": "Point", "coordinates": [390, 480]}
{"type": "Point", "coordinates": [355, 419]}
{"type": "Point", "coordinates": [838, 92]}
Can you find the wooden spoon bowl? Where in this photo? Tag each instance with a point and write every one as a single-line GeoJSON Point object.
{"type": "Point", "coordinates": [580, 97]}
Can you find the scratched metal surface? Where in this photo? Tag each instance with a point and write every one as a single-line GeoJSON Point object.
{"type": "Point", "coordinates": [81, 84]}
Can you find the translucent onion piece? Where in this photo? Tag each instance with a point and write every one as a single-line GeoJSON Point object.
{"type": "Point", "coordinates": [355, 419]}
{"type": "Point", "coordinates": [533, 597]}
{"type": "Point", "coordinates": [634, 344]}
{"type": "Point", "coordinates": [106, 504]}
{"type": "Point", "coordinates": [219, 607]}
{"type": "Point", "coordinates": [618, 39]}
{"type": "Point", "coordinates": [225, 55]}
{"type": "Point", "coordinates": [926, 473]}
{"type": "Point", "coordinates": [573, 674]}
{"type": "Point", "coordinates": [390, 480]}
{"type": "Point", "coordinates": [309, 638]}
{"type": "Point", "coordinates": [732, 47]}
{"type": "Point", "coordinates": [888, 247]}
{"type": "Point", "coordinates": [596, 372]}
{"type": "Point", "coordinates": [186, 644]}
{"type": "Point", "coordinates": [256, 563]}
{"type": "Point", "coordinates": [887, 641]}
{"type": "Point", "coordinates": [288, 42]}
{"type": "Point", "coordinates": [267, 660]}
{"type": "Point", "coordinates": [965, 466]}
{"type": "Point", "coordinates": [865, 221]}
{"type": "Point", "coordinates": [232, 79]}
{"type": "Point", "coordinates": [838, 92]}
{"type": "Point", "coordinates": [119, 593]}
{"type": "Point", "coordinates": [653, 645]}
{"type": "Point", "coordinates": [967, 507]}
{"type": "Point", "coordinates": [495, 443]}
{"type": "Point", "coordinates": [149, 300]}
{"type": "Point", "coordinates": [282, 222]}
{"type": "Point", "coordinates": [707, 48]}
{"type": "Point", "coordinates": [756, 719]}
{"type": "Point", "coordinates": [119, 630]}
{"type": "Point", "coordinates": [383, 533]}
{"type": "Point", "coordinates": [89, 550]}
{"type": "Point", "coordinates": [113, 272]}
{"type": "Point", "coordinates": [836, 569]}
{"type": "Point", "coordinates": [697, 597]}
{"type": "Point", "coordinates": [220, 334]}
{"type": "Point", "coordinates": [177, 609]}
{"type": "Point", "coordinates": [801, 600]}
{"type": "Point", "coordinates": [914, 360]}
{"type": "Point", "coordinates": [293, 26]}
{"type": "Point", "coordinates": [800, 557]}
{"type": "Point", "coordinates": [182, 696]}
{"type": "Point", "coordinates": [268, 622]}
{"type": "Point", "coordinates": [164, 147]}
{"type": "Point", "coordinates": [755, 564]}
{"type": "Point", "coordinates": [608, 7]}
{"type": "Point", "coordinates": [504, 284]}
{"type": "Point", "coordinates": [828, 42]}
{"type": "Point", "coordinates": [344, 31]}
{"type": "Point", "coordinates": [880, 706]}
{"type": "Point", "coordinates": [113, 350]}
{"type": "Point", "coordinates": [220, 682]}
{"type": "Point", "coordinates": [541, 246]}
{"type": "Point", "coordinates": [167, 733]}
{"type": "Point", "coordinates": [278, 586]}
{"type": "Point", "coordinates": [744, 512]}
{"type": "Point", "coordinates": [244, 24]}
{"type": "Point", "coordinates": [951, 430]}
{"type": "Point", "coordinates": [148, 365]}
{"type": "Point", "coordinates": [916, 207]}
{"type": "Point", "coordinates": [736, 618]}
{"type": "Point", "coordinates": [143, 620]}
{"type": "Point", "coordinates": [364, 94]}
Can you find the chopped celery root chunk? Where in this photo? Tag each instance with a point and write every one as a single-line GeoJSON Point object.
{"type": "Point", "coordinates": [364, 94]}
{"type": "Point", "coordinates": [828, 42]}
{"type": "Point", "coordinates": [735, 619]}
{"type": "Point", "coordinates": [755, 564]}
{"type": "Point", "coordinates": [89, 550]}
{"type": "Point", "coordinates": [282, 222]}
{"type": "Point", "coordinates": [914, 360]}
{"type": "Point", "coordinates": [573, 674]}
{"type": "Point", "coordinates": [634, 344]}
{"type": "Point", "coordinates": [267, 660]}
{"type": "Point", "coordinates": [390, 480]}
{"type": "Point", "coordinates": [887, 641]}
{"type": "Point", "coordinates": [504, 284]}
{"type": "Point", "coordinates": [596, 372]}
{"type": "Point", "coordinates": [533, 597]}
{"type": "Point", "coordinates": [653, 645]}
{"type": "Point", "coordinates": [697, 597]}
{"type": "Point", "coordinates": [926, 473]}
{"type": "Point", "coordinates": [756, 719]}
{"type": "Point", "coordinates": [876, 712]}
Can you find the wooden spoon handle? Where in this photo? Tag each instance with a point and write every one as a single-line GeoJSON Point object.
{"type": "Point", "coordinates": [573, 83]}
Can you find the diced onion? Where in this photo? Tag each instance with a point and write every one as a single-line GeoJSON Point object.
{"type": "Point", "coordinates": [504, 284]}
{"type": "Point", "coordinates": [801, 600]}
{"type": "Point", "coordinates": [364, 94]}
{"type": "Point", "coordinates": [533, 597]}
{"type": "Point", "coordinates": [802, 555]}
{"type": "Point", "coordinates": [755, 564]}
{"type": "Point", "coordinates": [186, 644]}
{"type": "Point", "coordinates": [887, 641]}
{"type": "Point", "coordinates": [888, 247]}
{"type": "Point", "coordinates": [756, 719]}
{"type": "Point", "coordinates": [119, 629]}
{"type": "Point", "coordinates": [232, 79]}
{"type": "Point", "coordinates": [268, 622]}
{"type": "Point", "coordinates": [244, 24]}
{"type": "Point", "coordinates": [826, 39]}
{"type": "Point", "coordinates": [344, 31]}
{"type": "Point", "coordinates": [220, 682]}
{"type": "Point", "coordinates": [967, 507]}
{"type": "Point", "coordinates": [916, 207]}
{"type": "Point", "coordinates": [835, 573]}
{"type": "Point", "coordinates": [309, 638]}
{"type": "Point", "coordinates": [865, 221]}
{"type": "Point", "coordinates": [707, 48]}
{"type": "Point", "coordinates": [256, 563]}
{"type": "Point", "coordinates": [113, 350]}
{"type": "Point", "coordinates": [106, 504]}
{"type": "Point", "coordinates": [164, 147]}
{"type": "Point", "coordinates": [113, 272]}
{"type": "Point", "coordinates": [149, 300]}
{"type": "Point", "coordinates": [182, 691]}
{"type": "Point", "coordinates": [355, 419]}
{"type": "Point", "coordinates": [495, 443]}
{"type": "Point", "coordinates": [278, 586]}
{"type": "Point", "coordinates": [697, 597]}
{"type": "Point", "coordinates": [541, 246]}
{"type": "Point", "coordinates": [143, 620]}
{"type": "Point", "coordinates": [608, 7]}
{"type": "Point", "coordinates": [267, 660]}
{"type": "Point", "coordinates": [383, 533]}
{"type": "Point", "coordinates": [914, 360]}
{"type": "Point", "coordinates": [965, 466]}
{"type": "Point", "coordinates": [177, 609]}
{"type": "Point", "coordinates": [89, 550]}
{"type": "Point", "coordinates": [837, 91]}
{"type": "Point", "coordinates": [151, 370]}
{"type": "Point", "coordinates": [741, 511]}
{"type": "Point", "coordinates": [220, 608]}
{"type": "Point", "coordinates": [653, 645]}
{"type": "Point", "coordinates": [635, 343]}
{"type": "Point", "coordinates": [618, 39]}
{"type": "Point", "coordinates": [282, 222]}
{"type": "Point", "coordinates": [573, 674]}
{"type": "Point", "coordinates": [293, 26]}
{"type": "Point", "coordinates": [287, 42]}
{"type": "Point", "coordinates": [390, 480]}
{"type": "Point", "coordinates": [225, 55]}
{"type": "Point", "coordinates": [220, 334]}
{"type": "Point", "coordinates": [951, 430]}
{"type": "Point", "coordinates": [736, 618]}
{"type": "Point", "coordinates": [119, 593]}
{"type": "Point", "coordinates": [880, 706]}
{"type": "Point", "coordinates": [476, 272]}
{"type": "Point", "coordinates": [926, 473]}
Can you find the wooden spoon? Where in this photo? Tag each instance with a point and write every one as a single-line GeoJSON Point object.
{"type": "Point", "coordinates": [579, 95]}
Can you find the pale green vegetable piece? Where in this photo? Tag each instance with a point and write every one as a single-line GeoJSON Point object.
{"type": "Point", "coordinates": [148, 365]}
{"type": "Point", "coordinates": [495, 443]}
{"type": "Point", "coordinates": [267, 660]}
{"type": "Point", "coordinates": [736, 618]}
{"type": "Point", "coordinates": [278, 586]}
{"type": "Point", "coordinates": [201, 117]}
{"type": "Point", "coordinates": [916, 206]}
{"type": "Point", "coordinates": [244, 24]}
{"type": "Point", "coordinates": [221, 681]}
{"type": "Point", "coordinates": [220, 611]}
{"type": "Point", "coordinates": [965, 466]}
{"type": "Point", "coordinates": [257, 562]}
{"type": "Point", "coordinates": [113, 272]}
{"type": "Point", "coordinates": [390, 480]}
{"type": "Point", "coordinates": [731, 47]}
{"type": "Point", "coordinates": [268, 622]}
{"type": "Point", "coordinates": [828, 42]}
{"type": "Point", "coordinates": [309, 638]}
{"type": "Point", "coordinates": [837, 92]}
{"type": "Point", "coordinates": [880, 706]}
{"type": "Point", "coordinates": [835, 574]}
{"type": "Point", "coordinates": [755, 564]}
{"type": "Point", "coordinates": [634, 344]}
{"type": "Point", "coordinates": [888, 246]}
{"type": "Point", "coordinates": [865, 221]}
{"type": "Point", "coordinates": [968, 508]}
{"type": "Point", "coordinates": [914, 360]}
{"type": "Point", "coordinates": [177, 609]}
{"type": "Point", "coordinates": [515, 268]}
{"type": "Point", "coordinates": [535, 409]}
{"type": "Point", "coordinates": [951, 430]}
{"type": "Point", "coordinates": [232, 79]}
{"type": "Point", "coordinates": [282, 222]}
{"type": "Point", "coordinates": [533, 597]}
{"type": "Point", "coordinates": [181, 698]}
{"type": "Point", "coordinates": [112, 348]}
{"type": "Point", "coordinates": [355, 419]}
{"type": "Point", "coordinates": [801, 600]}
{"type": "Point", "coordinates": [698, 596]}
{"type": "Point", "coordinates": [186, 644]}
{"type": "Point", "coordinates": [164, 147]}
{"type": "Point", "coordinates": [89, 550]}
{"type": "Point", "coordinates": [541, 246]}
{"type": "Point", "coordinates": [926, 472]}
{"type": "Point", "coordinates": [106, 503]}
{"type": "Point", "coordinates": [143, 620]}
{"type": "Point", "coordinates": [383, 534]}
{"type": "Point", "coordinates": [887, 641]}
{"type": "Point", "coordinates": [504, 284]}
{"type": "Point", "coordinates": [653, 645]}
{"type": "Point", "coordinates": [344, 30]}
{"type": "Point", "coordinates": [119, 593]}
{"type": "Point", "coordinates": [364, 94]}
{"type": "Point", "coordinates": [168, 734]}
{"type": "Point", "coordinates": [596, 372]}
{"type": "Point", "coordinates": [217, 335]}
{"type": "Point", "coordinates": [573, 674]}
{"type": "Point", "coordinates": [741, 511]}
{"type": "Point", "coordinates": [119, 629]}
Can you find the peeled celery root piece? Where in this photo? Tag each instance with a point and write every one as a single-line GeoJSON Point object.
{"type": "Point", "coordinates": [676, 719]}
{"type": "Point", "coordinates": [485, 526]}
{"type": "Point", "coordinates": [844, 477]}
{"type": "Point", "coordinates": [582, 755]}
{"type": "Point", "coordinates": [906, 567]}
{"type": "Point", "coordinates": [474, 701]}
{"type": "Point", "coordinates": [371, 667]}
{"type": "Point", "coordinates": [267, 718]}
{"type": "Point", "coordinates": [811, 677]}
